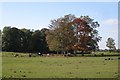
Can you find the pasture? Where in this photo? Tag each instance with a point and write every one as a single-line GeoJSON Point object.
{"type": "Point", "coordinates": [24, 66]}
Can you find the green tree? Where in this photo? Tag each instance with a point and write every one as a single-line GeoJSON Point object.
{"type": "Point", "coordinates": [110, 44]}
{"type": "Point", "coordinates": [44, 45]}
{"type": "Point", "coordinates": [26, 40]}
{"type": "Point", "coordinates": [36, 40]}
{"type": "Point", "coordinates": [60, 34]}
{"type": "Point", "coordinates": [11, 39]}
{"type": "Point", "coordinates": [6, 38]}
{"type": "Point", "coordinates": [52, 41]}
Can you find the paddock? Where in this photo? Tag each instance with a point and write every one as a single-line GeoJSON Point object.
{"type": "Point", "coordinates": [58, 67]}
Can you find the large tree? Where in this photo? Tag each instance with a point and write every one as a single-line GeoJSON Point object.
{"type": "Point", "coordinates": [60, 34]}
{"type": "Point", "coordinates": [71, 33]}
{"type": "Point", "coordinates": [86, 33]}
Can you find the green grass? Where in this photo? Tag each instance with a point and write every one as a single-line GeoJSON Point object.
{"type": "Point", "coordinates": [58, 67]}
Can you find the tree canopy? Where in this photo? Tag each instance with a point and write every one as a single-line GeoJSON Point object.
{"type": "Point", "coordinates": [71, 33]}
{"type": "Point", "coordinates": [67, 33]}
{"type": "Point", "coordinates": [23, 40]}
{"type": "Point", "coordinates": [86, 33]}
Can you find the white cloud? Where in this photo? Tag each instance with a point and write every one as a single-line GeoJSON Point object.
{"type": "Point", "coordinates": [110, 22]}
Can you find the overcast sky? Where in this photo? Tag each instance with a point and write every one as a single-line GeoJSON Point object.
{"type": "Point", "coordinates": [37, 15]}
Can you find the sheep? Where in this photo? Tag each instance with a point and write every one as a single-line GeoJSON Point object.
{"type": "Point", "coordinates": [40, 54]}
{"type": "Point", "coordinates": [30, 55]}
{"type": "Point", "coordinates": [16, 55]}
{"type": "Point", "coordinates": [48, 54]}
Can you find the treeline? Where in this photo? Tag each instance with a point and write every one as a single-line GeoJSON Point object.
{"type": "Point", "coordinates": [24, 40]}
{"type": "Point", "coordinates": [67, 33]}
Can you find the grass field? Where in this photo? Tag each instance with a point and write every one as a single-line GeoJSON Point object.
{"type": "Point", "coordinates": [58, 67]}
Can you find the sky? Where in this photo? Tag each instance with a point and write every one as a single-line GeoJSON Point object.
{"type": "Point", "coordinates": [37, 15]}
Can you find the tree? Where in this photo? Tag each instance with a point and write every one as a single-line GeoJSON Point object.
{"type": "Point", "coordinates": [52, 41]}
{"type": "Point", "coordinates": [26, 40]}
{"type": "Point", "coordinates": [6, 39]}
{"type": "Point", "coordinates": [110, 44]}
{"type": "Point", "coordinates": [44, 45]}
{"type": "Point", "coordinates": [66, 33]}
{"type": "Point", "coordinates": [86, 34]}
{"type": "Point", "coordinates": [11, 39]}
{"type": "Point", "coordinates": [36, 41]}
{"type": "Point", "coordinates": [60, 34]}
{"type": "Point", "coordinates": [71, 33]}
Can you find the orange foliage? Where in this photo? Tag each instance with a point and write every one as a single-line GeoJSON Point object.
{"type": "Point", "coordinates": [83, 28]}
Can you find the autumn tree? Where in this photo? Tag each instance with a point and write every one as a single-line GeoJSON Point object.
{"type": "Point", "coordinates": [86, 34]}
{"type": "Point", "coordinates": [71, 33]}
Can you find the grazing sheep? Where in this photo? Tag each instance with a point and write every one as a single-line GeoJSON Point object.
{"type": "Point", "coordinates": [109, 59]}
{"type": "Point", "coordinates": [30, 55]}
{"type": "Point", "coordinates": [40, 54]}
{"type": "Point", "coordinates": [16, 55]}
{"type": "Point", "coordinates": [105, 59]}
{"type": "Point", "coordinates": [48, 54]}
{"type": "Point", "coordinates": [68, 54]}
{"type": "Point", "coordinates": [23, 75]}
